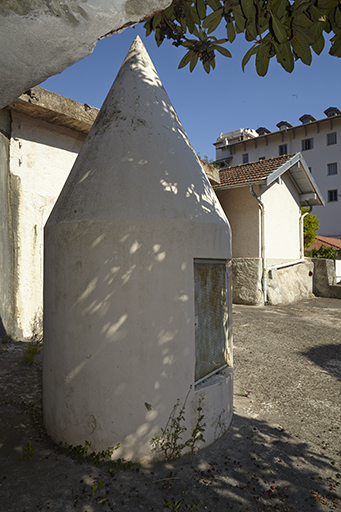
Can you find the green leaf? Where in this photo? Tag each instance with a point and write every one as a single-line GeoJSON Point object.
{"type": "Point", "coordinates": [148, 27]}
{"type": "Point", "coordinates": [248, 55]}
{"type": "Point", "coordinates": [156, 20]}
{"type": "Point", "coordinates": [207, 67]}
{"type": "Point", "coordinates": [284, 56]}
{"type": "Point", "coordinates": [301, 47]}
{"type": "Point", "coordinates": [189, 20]}
{"type": "Point", "coordinates": [338, 16]}
{"type": "Point", "coordinates": [262, 59]}
{"type": "Point", "coordinates": [231, 33]}
{"type": "Point", "coordinates": [278, 29]}
{"type": "Point", "coordinates": [201, 9]}
{"type": "Point", "coordinates": [251, 30]}
{"type": "Point", "coordinates": [214, 4]}
{"type": "Point", "coordinates": [158, 38]}
{"type": "Point", "coordinates": [239, 19]}
{"type": "Point", "coordinates": [318, 45]}
{"type": "Point", "coordinates": [279, 7]}
{"type": "Point", "coordinates": [212, 21]}
{"type": "Point", "coordinates": [335, 49]}
{"type": "Point", "coordinates": [222, 50]}
{"type": "Point", "coordinates": [248, 8]}
{"type": "Point", "coordinates": [186, 59]}
{"type": "Point", "coordinates": [194, 15]}
{"type": "Point", "coordinates": [193, 62]}
{"type": "Point", "coordinates": [328, 4]}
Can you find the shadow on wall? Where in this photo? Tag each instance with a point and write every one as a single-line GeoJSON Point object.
{"type": "Point", "coordinates": [328, 357]}
{"type": "Point", "coordinates": [111, 270]}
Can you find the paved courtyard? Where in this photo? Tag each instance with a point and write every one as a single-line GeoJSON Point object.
{"type": "Point", "coordinates": [282, 452]}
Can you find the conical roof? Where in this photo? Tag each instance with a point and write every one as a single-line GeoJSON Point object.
{"type": "Point", "coordinates": [137, 160]}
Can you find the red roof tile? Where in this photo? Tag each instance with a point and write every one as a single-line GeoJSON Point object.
{"type": "Point", "coordinates": [252, 172]}
{"type": "Point", "coordinates": [327, 242]}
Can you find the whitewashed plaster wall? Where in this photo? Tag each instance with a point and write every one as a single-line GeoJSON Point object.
{"type": "Point", "coordinates": [120, 244]}
{"type": "Point", "coordinates": [281, 221]}
{"type": "Point", "coordinates": [41, 157]}
{"type": "Point", "coordinates": [243, 213]}
{"type": "Point", "coordinates": [42, 38]}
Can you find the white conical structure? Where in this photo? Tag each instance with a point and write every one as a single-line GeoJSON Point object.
{"type": "Point", "coordinates": [119, 327]}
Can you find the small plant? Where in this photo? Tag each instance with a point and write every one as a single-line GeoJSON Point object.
{"type": "Point", "coordinates": [28, 451]}
{"type": "Point", "coordinates": [34, 348]}
{"type": "Point", "coordinates": [95, 487]}
{"type": "Point", "coordinates": [6, 339]}
{"type": "Point", "coordinates": [170, 442]}
{"type": "Point", "coordinates": [182, 506]}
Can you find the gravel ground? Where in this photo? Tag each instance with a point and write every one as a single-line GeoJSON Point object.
{"type": "Point", "coordinates": [282, 452]}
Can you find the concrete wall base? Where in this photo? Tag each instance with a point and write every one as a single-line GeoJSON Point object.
{"type": "Point", "coordinates": [284, 286]}
{"type": "Point", "coordinates": [290, 284]}
{"type": "Point", "coordinates": [247, 281]}
{"type": "Point", "coordinates": [325, 278]}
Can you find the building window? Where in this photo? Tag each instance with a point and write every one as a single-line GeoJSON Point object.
{"type": "Point", "coordinates": [261, 158]}
{"type": "Point", "coordinates": [307, 144]}
{"type": "Point", "coordinates": [245, 158]}
{"type": "Point", "coordinates": [331, 138]}
{"type": "Point", "coordinates": [283, 149]}
{"type": "Point", "coordinates": [332, 196]}
{"type": "Point", "coordinates": [211, 326]}
{"type": "Point", "coordinates": [332, 168]}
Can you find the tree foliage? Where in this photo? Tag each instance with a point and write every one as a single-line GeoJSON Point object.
{"type": "Point", "coordinates": [329, 253]}
{"type": "Point", "coordinates": [286, 29]}
{"type": "Point", "coordinates": [311, 225]}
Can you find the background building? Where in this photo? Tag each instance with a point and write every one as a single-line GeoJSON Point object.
{"type": "Point", "coordinates": [318, 140]}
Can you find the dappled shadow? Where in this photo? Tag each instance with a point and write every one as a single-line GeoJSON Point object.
{"type": "Point", "coordinates": [328, 357]}
{"type": "Point", "coordinates": [255, 466]}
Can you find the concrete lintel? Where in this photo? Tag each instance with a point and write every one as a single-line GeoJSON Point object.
{"type": "Point", "coordinates": [53, 108]}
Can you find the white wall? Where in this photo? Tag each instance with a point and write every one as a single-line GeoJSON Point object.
{"type": "Point", "coordinates": [243, 213]}
{"type": "Point", "coordinates": [317, 159]}
{"type": "Point", "coordinates": [120, 244]}
{"type": "Point", "coordinates": [41, 156]}
{"type": "Point", "coordinates": [282, 226]}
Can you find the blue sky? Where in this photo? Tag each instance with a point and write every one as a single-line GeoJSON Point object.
{"type": "Point", "coordinates": [224, 100]}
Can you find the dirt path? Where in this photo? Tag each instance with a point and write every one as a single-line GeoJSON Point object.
{"type": "Point", "coordinates": [282, 452]}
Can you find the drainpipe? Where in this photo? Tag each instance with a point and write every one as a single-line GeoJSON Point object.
{"type": "Point", "coordinates": [301, 226]}
{"type": "Point", "coordinates": [263, 253]}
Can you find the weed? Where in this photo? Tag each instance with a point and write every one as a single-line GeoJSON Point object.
{"type": "Point", "coordinates": [34, 348]}
{"type": "Point", "coordinates": [182, 506]}
{"type": "Point", "coordinates": [6, 339]}
{"type": "Point", "coordinates": [28, 451]}
{"type": "Point", "coordinates": [170, 442]}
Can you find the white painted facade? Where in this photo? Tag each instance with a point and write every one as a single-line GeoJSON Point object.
{"type": "Point", "coordinates": [318, 157]}
{"type": "Point", "coordinates": [282, 227]}
{"type": "Point", "coordinates": [42, 145]}
{"type": "Point", "coordinates": [41, 156]}
{"type": "Point", "coordinates": [41, 38]}
{"type": "Point", "coordinates": [120, 247]}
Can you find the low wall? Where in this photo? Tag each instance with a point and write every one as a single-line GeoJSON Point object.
{"type": "Point", "coordinates": [290, 284]}
{"type": "Point", "coordinates": [284, 286]}
{"type": "Point", "coordinates": [325, 278]}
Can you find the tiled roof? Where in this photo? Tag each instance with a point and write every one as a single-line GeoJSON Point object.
{"type": "Point", "coordinates": [252, 172]}
{"type": "Point", "coordinates": [327, 242]}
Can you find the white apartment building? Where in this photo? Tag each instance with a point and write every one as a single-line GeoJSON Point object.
{"type": "Point", "coordinates": [318, 140]}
